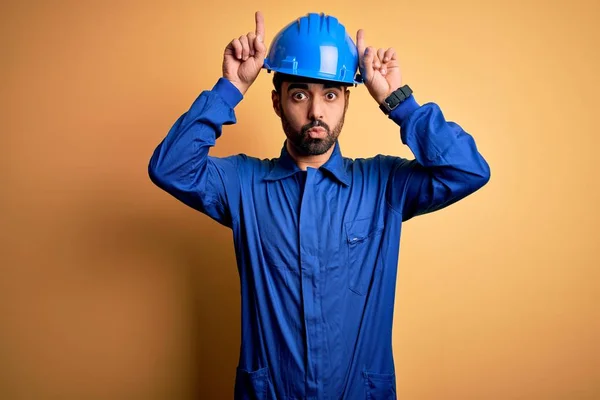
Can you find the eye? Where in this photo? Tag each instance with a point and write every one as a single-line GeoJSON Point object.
{"type": "Point", "coordinates": [331, 96]}
{"type": "Point", "coordinates": [299, 96]}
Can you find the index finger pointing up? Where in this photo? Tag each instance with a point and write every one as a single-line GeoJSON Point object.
{"type": "Point", "coordinates": [260, 25]}
{"type": "Point", "coordinates": [360, 42]}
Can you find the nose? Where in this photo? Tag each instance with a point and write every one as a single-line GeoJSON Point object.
{"type": "Point", "coordinates": [315, 111]}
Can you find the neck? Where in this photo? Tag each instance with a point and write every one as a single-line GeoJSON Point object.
{"type": "Point", "coordinates": [305, 161]}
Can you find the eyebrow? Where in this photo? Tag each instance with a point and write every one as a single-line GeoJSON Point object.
{"type": "Point", "coordinates": [304, 86]}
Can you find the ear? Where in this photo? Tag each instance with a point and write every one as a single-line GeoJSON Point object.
{"type": "Point", "coordinates": [347, 96]}
{"type": "Point", "coordinates": [276, 103]}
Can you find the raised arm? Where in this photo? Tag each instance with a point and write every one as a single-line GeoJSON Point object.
{"type": "Point", "coordinates": [447, 165]}
{"type": "Point", "coordinates": [181, 164]}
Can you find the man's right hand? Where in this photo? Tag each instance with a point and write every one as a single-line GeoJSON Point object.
{"type": "Point", "coordinates": [244, 57]}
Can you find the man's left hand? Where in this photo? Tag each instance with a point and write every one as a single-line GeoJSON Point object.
{"type": "Point", "coordinates": [379, 68]}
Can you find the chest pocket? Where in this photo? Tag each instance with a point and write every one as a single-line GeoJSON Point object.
{"type": "Point", "coordinates": [363, 238]}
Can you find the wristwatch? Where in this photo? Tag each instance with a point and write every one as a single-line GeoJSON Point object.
{"type": "Point", "coordinates": [394, 99]}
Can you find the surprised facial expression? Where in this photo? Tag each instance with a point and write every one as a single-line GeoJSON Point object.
{"type": "Point", "coordinates": [312, 114]}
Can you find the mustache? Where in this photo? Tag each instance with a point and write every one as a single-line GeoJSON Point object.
{"type": "Point", "coordinates": [314, 124]}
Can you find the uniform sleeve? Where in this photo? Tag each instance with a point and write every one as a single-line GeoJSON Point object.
{"type": "Point", "coordinates": [181, 164]}
{"type": "Point", "coordinates": [447, 165]}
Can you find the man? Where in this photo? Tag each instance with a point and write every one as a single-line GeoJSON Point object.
{"type": "Point", "coordinates": [316, 235]}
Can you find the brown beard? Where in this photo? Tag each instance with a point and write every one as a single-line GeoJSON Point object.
{"type": "Point", "coordinates": [304, 144]}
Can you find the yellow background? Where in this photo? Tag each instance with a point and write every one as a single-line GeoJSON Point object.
{"type": "Point", "coordinates": [111, 289]}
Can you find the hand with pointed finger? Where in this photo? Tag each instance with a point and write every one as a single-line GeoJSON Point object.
{"type": "Point", "coordinates": [244, 57]}
{"type": "Point", "coordinates": [380, 69]}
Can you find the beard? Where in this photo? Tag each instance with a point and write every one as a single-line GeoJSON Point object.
{"type": "Point", "coordinates": [306, 145]}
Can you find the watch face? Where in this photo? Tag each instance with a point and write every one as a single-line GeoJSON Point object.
{"type": "Point", "coordinates": [385, 107]}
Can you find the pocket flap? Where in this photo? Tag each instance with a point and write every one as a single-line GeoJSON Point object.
{"type": "Point", "coordinates": [380, 386]}
{"type": "Point", "coordinates": [253, 384]}
{"type": "Point", "coordinates": [360, 229]}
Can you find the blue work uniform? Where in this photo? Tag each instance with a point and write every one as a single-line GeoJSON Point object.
{"type": "Point", "coordinates": [317, 250]}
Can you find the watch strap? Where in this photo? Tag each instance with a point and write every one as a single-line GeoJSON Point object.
{"type": "Point", "coordinates": [395, 98]}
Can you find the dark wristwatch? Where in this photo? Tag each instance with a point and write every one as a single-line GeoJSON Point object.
{"type": "Point", "coordinates": [394, 99]}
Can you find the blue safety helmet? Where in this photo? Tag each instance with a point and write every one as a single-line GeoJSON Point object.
{"type": "Point", "coordinates": [315, 46]}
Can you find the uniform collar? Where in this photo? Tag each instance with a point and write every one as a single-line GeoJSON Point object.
{"type": "Point", "coordinates": [285, 166]}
